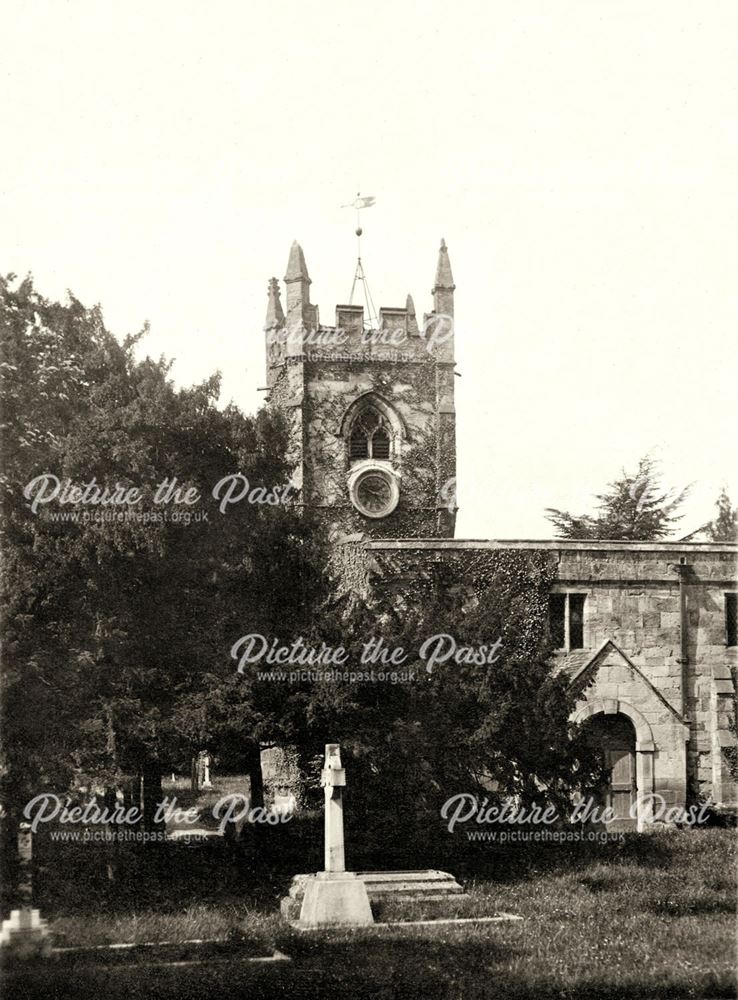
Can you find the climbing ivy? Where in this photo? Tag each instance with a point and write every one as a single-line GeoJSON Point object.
{"type": "Point", "coordinates": [494, 728]}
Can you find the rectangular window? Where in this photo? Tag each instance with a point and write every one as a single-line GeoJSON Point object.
{"type": "Point", "coordinates": [556, 619]}
{"type": "Point", "coordinates": [576, 621]}
{"type": "Point", "coordinates": [731, 619]}
{"type": "Point", "coordinates": [566, 620]}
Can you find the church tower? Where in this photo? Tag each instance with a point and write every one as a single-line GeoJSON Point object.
{"type": "Point", "coordinates": [370, 407]}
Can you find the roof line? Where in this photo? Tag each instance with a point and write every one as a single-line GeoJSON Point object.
{"type": "Point", "coordinates": [553, 544]}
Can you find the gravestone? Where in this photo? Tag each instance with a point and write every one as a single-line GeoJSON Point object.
{"type": "Point", "coordinates": [334, 896]}
{"type": "Point", "coordinates": [284, 805]}
{"type": "Point", "coordinates": [24, 934]}
{"type": "Point", "coordinates": [205, 762]}
{"type": "Point", "coordinates": [200, 771]}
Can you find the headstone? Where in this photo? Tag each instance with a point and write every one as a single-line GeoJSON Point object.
{"type": "Point", "coordinates": [284, 805]}
{"type": "Point", "coordinates": [206, 782]}
{"type": "Point", "coordinates": [335, 896]}
{"type": "Point", "coordinates": [24, 934]}
{"type": "Point", "coordinates": [280, 768]}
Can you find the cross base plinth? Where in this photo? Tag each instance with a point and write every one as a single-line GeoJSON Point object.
{"type": "Point", "coordinates": [335, 899]}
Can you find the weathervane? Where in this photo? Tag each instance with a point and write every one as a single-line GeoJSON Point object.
{"type": "Point", "coordinates": [359, 202]}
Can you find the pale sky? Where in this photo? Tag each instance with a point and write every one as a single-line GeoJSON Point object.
{"type": "Point", "coordinates": [579, 157]}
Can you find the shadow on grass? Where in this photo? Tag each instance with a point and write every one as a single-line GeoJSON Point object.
{"type": "Point", "coordinates": [491, 961]}
{"type": "Point", "coordinates": [74, 878]}
{"type": "Point", "coordinates": [323, 969]}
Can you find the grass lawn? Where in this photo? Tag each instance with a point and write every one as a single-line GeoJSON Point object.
{"type": "Point", "coordinates": [179, 791]}
{"type": "Point", "coordinates": [653, 916]}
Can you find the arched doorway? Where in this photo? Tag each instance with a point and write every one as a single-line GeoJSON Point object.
{"type": "Point", "coordinates": [616, 736]}
{"type": "Point", "coordinates": [644, 748]}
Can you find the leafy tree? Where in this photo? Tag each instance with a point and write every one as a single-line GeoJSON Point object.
{"type": "Point", "coordinates": [496, 729]}
{"type": "Point", "coordinates": [117, 632]}
{"type": "Point", "coordinates": [116, 627]}
{"type": "Point", "coordinates": [636, 507]}
{"type": "Point", "coordinates": [724, 527]}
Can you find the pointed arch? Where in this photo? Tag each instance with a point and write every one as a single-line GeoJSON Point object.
{"type": "Point", "coordinates": [372, 430]}
{"type": "Point", "coordinates": [368, 400]}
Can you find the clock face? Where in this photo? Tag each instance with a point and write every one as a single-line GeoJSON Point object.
{"type": "Point", "coordinates": [375, 494]}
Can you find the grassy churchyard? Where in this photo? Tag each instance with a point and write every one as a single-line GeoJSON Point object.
{"type": "Point", "coordinates": [650, 916]}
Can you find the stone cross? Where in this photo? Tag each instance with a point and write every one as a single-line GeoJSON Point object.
{"type": "Point", "coordinates": [333, 780]}
{"type": "Point", "coordinates": [334, 896]}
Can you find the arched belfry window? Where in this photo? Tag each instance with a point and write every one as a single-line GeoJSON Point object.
{"type": "Point", "coordinates": [370, 436]}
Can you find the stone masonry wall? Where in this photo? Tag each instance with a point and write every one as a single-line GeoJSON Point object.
{"type": "Point", "coordinates": [632, 638]}
{"type": "Point", "coordinates": [316, 396]}
{"type": "Point", "coordinates": [331, 389]}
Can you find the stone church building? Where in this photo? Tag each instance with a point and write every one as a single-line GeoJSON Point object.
{"type": "Point", "coordinates": [648, 630]}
